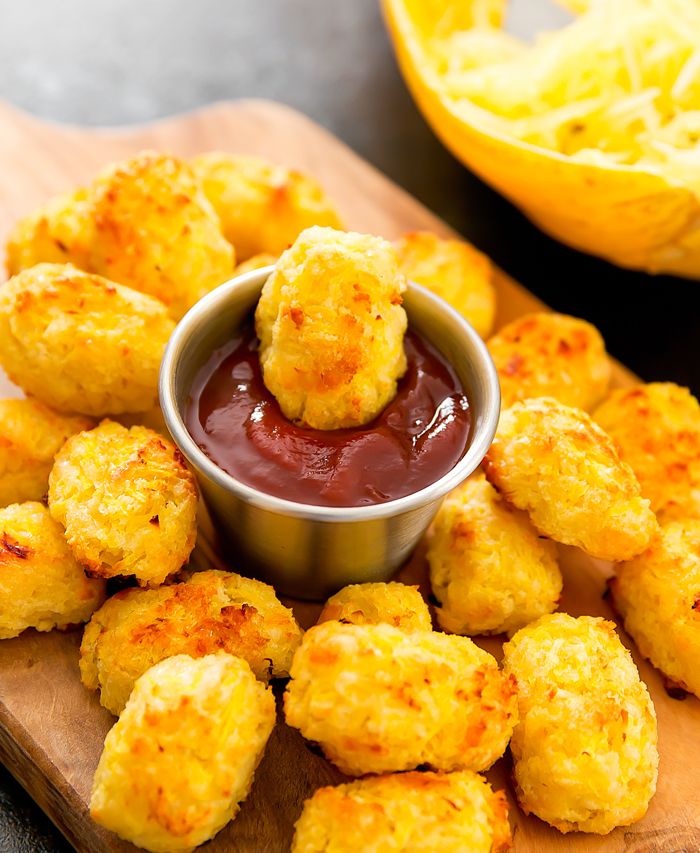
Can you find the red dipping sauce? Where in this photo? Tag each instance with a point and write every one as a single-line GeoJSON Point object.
{"type": "Point", "coordinates": [418, 438]}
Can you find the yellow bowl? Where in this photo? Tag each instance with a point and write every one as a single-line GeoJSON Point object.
{"type": "Point", "coordinates": [629, 215]}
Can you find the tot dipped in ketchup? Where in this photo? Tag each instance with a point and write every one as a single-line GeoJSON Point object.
{"type": "Point", "coordinates": [331, 328]}
{"type": "Point", "coordinates": [332, 350]}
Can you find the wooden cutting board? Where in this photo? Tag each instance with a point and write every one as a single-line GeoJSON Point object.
{"type": "Point", "coordinates": [51, 729]}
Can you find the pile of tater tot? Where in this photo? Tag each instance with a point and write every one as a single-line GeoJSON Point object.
{"type": "Point", "coordinates": [98, 519]}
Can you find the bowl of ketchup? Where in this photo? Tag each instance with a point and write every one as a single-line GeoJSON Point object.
{"type": "Point", "coordinates": [313, 510]}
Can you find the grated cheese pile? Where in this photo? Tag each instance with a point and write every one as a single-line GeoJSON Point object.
{"type": "Point", "coordinates": [618, 86]}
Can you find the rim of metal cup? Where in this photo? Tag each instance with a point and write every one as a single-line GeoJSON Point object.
{"type": "Point", "coordinates": [198, 316]}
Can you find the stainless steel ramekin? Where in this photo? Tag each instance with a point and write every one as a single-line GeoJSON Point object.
{"type": "Point", "coordinates": [311, 551]}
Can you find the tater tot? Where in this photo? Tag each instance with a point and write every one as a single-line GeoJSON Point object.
{"type": "Point", "coordinates": [455, 271]}
{"type": "Point", "coordinates": [211, 611]}
{"type": "Point", "coordinates": [560, 467]}
{"type": "Point", "coordinates": [127, 501]}
{"type": "Point", "coordinates": [658, 596]}
{"type": "Point", "coordinates": [81, 343]}
{"type": "Point", "coordinates": [657, 431]}
{"type": "Point", "coordinates": [263, 207]}
{"type": "Point", "coordinates": [378, 699]}
{"type": "Point", "coordinates": [256, 262]}
{"type": "Point", "coordinates": [41, 584]}
{"type": "Point", "coordinates": [584, 750]}
{"type": "Point", "coordinates": [489, 570]}
{"type": "Point", "coordinates": [551, 355]}
{"type": "Point", "coordinates": [30, 436]}
{"type": "Point", "coordinates": [331, 328]}
{"type": "Point", "coordinates": [374, 603]}
{"type": "Point", "coordinates": [410, 812]}
{"type": "Point", "coordinates": [181, 758]}
{"type": "Point", "coordinates": [157, 232]}
{"type": "Point", "coordinates": [60, 232]}
{"type": "Point", "coordinates": [144, 223]}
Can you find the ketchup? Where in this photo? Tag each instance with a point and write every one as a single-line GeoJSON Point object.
{"type": "Point", "coordinates": [418, 437]}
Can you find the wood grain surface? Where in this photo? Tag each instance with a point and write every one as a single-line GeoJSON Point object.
{"type": "Point", "coordinates": [51, 729]}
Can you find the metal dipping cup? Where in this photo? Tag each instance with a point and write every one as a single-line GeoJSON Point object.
{"type": "Point", "coordinates": [312, 551]}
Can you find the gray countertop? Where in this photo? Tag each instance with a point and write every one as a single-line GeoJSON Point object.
{"type": "Point", "coordinates": [125, 61]}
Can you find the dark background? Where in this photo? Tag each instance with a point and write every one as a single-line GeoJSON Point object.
{"type": "Point", "coordinates": [126, 61]}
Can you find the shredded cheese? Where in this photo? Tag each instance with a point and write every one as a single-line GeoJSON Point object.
{"type": "Point", "coordinates": [619, 85]}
